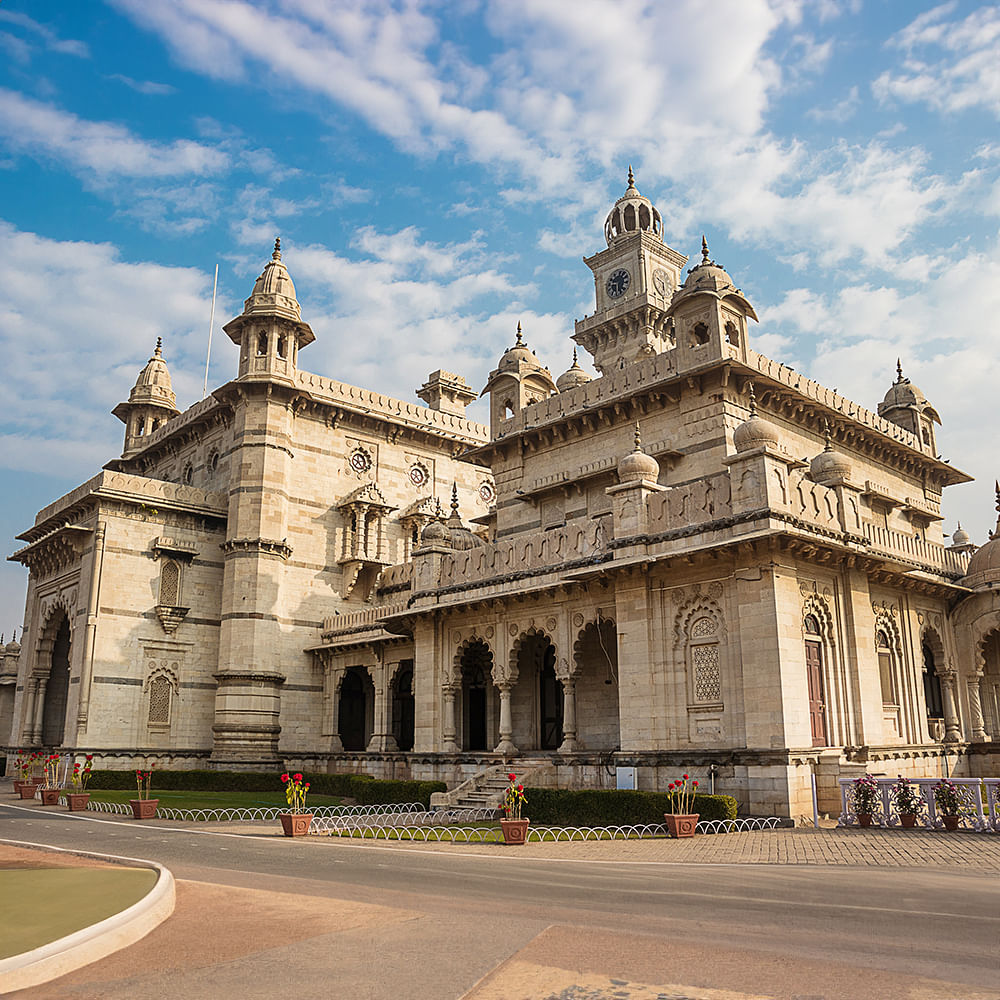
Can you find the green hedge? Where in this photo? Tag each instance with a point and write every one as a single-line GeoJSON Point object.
{"type": "Point", "coordinates": [366, 790]}
{"type": "Point", "coordinates": [565, 807]}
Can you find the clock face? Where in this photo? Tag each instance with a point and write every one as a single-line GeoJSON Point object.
{"type": "Point", "coordinates": [618, 283]}
{"type": "Point", "coordinates": [662, 281]}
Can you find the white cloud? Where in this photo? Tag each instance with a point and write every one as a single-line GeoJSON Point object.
{"type": "Point", "coordinates": [65, 46]}
{"type": "Point", "coordinates": [149, 87]}
{"type": "Point", "coordinates": [100, 149]}
{"type": "Point", "coordinates": [950, 65]}
{"type": "Point", "coordinates": [840, 111]}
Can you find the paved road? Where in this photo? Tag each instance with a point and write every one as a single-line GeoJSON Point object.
{"type": "Point", "coordinates": [363, 920]}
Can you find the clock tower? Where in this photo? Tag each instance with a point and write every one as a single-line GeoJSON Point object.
{"type": "Point", "coordinates": [635, 279]}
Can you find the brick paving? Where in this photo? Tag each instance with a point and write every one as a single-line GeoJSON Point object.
{"type": "Point", "coordinates": [802, 846]}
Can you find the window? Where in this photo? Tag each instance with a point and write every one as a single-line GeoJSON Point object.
{"type": "Point", "coordinates": [188, 474]}
{"type": "Point", "coordinates": [281, 347]}
{"type": "Point", "coordinates": [170, 584]}
{"type": "Point", "coordinates": [213, 462]}
{"type": "Point", "coordinates": [261, 344]}
{"type": "Point", "coordinates": [706, 677]}
{"type": "Point", "coordinates": [732, 334]}
{"type": "Point", "coordinates": [886, 668]}
{"type": "Point", "coordinates": [699, 335]}
{"type": "Point", "coordinates": [814, 681]}
{"type": "Point", "coordinates": [160, 691]}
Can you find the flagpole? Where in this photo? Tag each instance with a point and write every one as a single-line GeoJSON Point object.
{"type": "Point", "coordinates": [211, 323]}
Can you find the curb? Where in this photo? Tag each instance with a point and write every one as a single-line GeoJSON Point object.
{"type": "Point", "coordinates": [89, 944]}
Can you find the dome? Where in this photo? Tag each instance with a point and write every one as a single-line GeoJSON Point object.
{"type": "Point", "coordinates": [712, 279]}
{"type": "Point", "coordinates": [829, 466]}
{"type": "Point", "coordinates": [984, 566]}
{"type": "Point", "coordinates": [903, 393]}
{"type": "Point", "coordinates": [632, 213]}
{"type": "Point", "coordinates": [153, 384]}
{"type": "Point", "coordinates": [13, 647]}
{"type": "Point", "coordinates": [519, 353]}
{"type": "Point", "coordinates": [755, 432]}
{"type": "Point", "coordinates": [637, 464]}
{"type": "Point", "coordinates": [960, 536]}
{"type": "Point", "coordinates": [572, 377]}
{"type": "Point", "coordinates": [273, 292]}
{"type": "Point", "coordinates": [434, 532]}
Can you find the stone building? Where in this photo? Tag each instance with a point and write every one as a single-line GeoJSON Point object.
{"type": "Point", "coordinates": [700, 559]}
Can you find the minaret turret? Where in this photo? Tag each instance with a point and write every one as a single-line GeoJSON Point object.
{"type": "Point", "coordinates": [270, 330]}
{"type": "Point", "coordinates": [906, 405]}
{"type": "Point", "coordinates": [151, 403]}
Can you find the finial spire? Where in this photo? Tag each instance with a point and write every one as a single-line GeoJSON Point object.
{"type": "Point", "coordinates": [899, 371]}
{"type": "Point", "coordinates": [439, 510]}
{"type": "Point", "coordinates": [454, 499]}
{"type": "Point", "coordinates": [638, 437]}
{"type": "Point", "coordinates": [704, 249]}
{"type": "Point", "coordinates": [574, 355]}
{"type": "Point", "coordinates": [276, 255]}
{"type": "Point", "coordinates": [997, 484]}
{"type": "Point", "coordinates": [753, 400]}
{"type": "Point", "coordinates": [157, 351]}
{"type": "Point", "coordinates": [827, 436]}
{"type": "Point", "coordinates": [519, 342]}
{"type": "Point", "coordinates": [631, 176]}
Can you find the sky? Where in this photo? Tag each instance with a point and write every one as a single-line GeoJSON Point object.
{"type": "Point", "coordinates": [436, 171]}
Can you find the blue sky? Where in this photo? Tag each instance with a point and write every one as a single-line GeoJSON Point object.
{"type": "Point", "coordinates": [436, 171]}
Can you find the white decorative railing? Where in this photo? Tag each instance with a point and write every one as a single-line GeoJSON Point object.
{"type": "Point", "coordinates": [261, 815]}
{"type": "Point", "coordinates": [916, 550]}
{"type": "Point", "coordinates": [358, 619]}
{"type": "Point", "coordinates": [979, 810]}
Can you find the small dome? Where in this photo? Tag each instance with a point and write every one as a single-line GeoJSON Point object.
{"type": "Point", "coordinates": [829, 466]}
{"type": "Point", "coordinates": [755, 432]}
{"type": "Point", "coordinates": [273, 292]}
{"type": "Point", "coordinates": [632, 213]}
{"type": "Point", "coordinates": [572, 377]}
{"type": "Point", "coordinates": [153, 384]}
{"type": "Point", "coordinates": [637, 464]}
{"type": "Point", "coordinates": [433, 533]}
{"type": "Point", "coordinates": [708, 275]}
{"type": "Point", "coordinates": [904, 394]}
{"type": "Point", "coordinates": [984, 566]}
{"type": "Point", "coordinates": [13, 647]}
{"type": "Point", "coordinates": [960, 536]}
{"type": "Point", "coordinates": [517, 354]}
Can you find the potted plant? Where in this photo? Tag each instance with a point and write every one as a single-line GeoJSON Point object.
{"type": "Point", "coordinates": [513, 825]}
{"type": "Point", "coordinates": [948, 803]}
{"type": "Point", "coordinates": [22, 764]}
{"type": "Point", "coordinates": [50, 789]}
{"type": "Point", "coordinates": [78, 798]}
{"type": "Point", "coordinates": [681, 821]}
{"type": "Point", "coordinates": [907, 802]}
{"type": "Point", "coordinates": [30, 778]}
{"type": "Point", "coordinates": [144, 807]}
{"type": "Point", "coordinates": [867, 799]}
{"type": "Point", "coordinates": [295, 822]}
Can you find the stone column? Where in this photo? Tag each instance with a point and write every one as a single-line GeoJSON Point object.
{"type": "Point", "coordinates": [90, 636]}
{"type": "Point", "coordinates": [976, 711]}
{"type": "Point", "coordinates": [382, 738]}
{"type": "Point", "coordinates": [506, 744]}
{"type": "Point", "coordinates": [42, 683]}
{"type": "Point", "coordinates": [30, 694]}
{"type": "Point", "coordinates": [952, 725]}
{"type": "Point", "coordinates": [569, 743]}
{"type": "Point", "coordinates": [334, 676]}
{"type": "Point", "coordinates": [448, 742]}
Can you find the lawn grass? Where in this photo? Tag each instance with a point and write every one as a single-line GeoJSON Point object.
{"type": "Point", "coordinates": [212, 800]}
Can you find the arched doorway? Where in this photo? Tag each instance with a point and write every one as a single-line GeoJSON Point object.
{"type": "Point", "coordinates": [814, 680]}
{"type": "Point", "coordinates": [477, 696]}
{"type": "Point", "coordinates": [402, 705]}
{"type": "Point", "coordinates": [537, 697]}
{"type": "Point", "coordinates": [550, 705]}
{"type": "Point", "coordinates": [356, 709]}
{"type": "Point", "coordinates": [933, 699]}
{"type": "Point", "coordinates": [598, 725]}
{"type": "Point", "coordinates": [989, 685]}
{"type": "Point", "coordinates": [57, 689]}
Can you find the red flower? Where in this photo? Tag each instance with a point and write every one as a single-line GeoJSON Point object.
{"type": "Point", "coordinates": [685, 777]}
{"type": "Point", "coordinates": [306, 786]}
{"type": "Point", "coordinates": [284, 778]}
{"type": "Point", "coordinates": [695, 784]}
{"type": "Point", "coordinates": [512, 777]}
{"type": "Point", "coordinates": [90, 756]}
{"type": "Point", "coordinates": [520, 788]}
{"type": "Point", "coordinates": [298, 777]}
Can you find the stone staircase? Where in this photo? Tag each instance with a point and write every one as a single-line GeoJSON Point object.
{"type": "Point", "coordinates": [484, 790]}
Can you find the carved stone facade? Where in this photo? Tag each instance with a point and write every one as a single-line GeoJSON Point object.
{"type": "Point", "coordinates": [760, 592]}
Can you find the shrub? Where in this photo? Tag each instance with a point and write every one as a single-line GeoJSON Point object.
{"type": "Point", "coordinates": [566, 807]}
{"type": "Point", "coordinates": [362, 787]}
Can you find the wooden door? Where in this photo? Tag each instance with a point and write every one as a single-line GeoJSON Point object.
{"type": "Point", "coordinates": [817, 699]}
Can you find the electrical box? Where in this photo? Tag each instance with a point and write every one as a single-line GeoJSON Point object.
{"type": "Point", "coordinates": [625, 777]}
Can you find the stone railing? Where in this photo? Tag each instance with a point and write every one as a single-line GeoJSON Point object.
{"type": "Point", "coordinates": [973, 793]}
{"type": "Point", "coordinates": [335, 624]}
{"type": "Point", "coordinates": [684, 506]}
{"type": "Point", "coordinates": [933, 555]}
{"type": "Point", "coordinates": [814, 503]}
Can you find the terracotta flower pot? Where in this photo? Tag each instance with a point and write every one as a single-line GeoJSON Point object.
{"type": "Point", "coordinates": [908, 820]}
{"type": "Point", "coordinates": [17, 786]}
{"type": "Point", "coordinates": [950, 822]}
{"type": "Point", "coordinates": [27, 789]}
{"type": "Point", "coordinates": [681, 824]}
{"type": "Point", "coordinates": [864, 819]}
{"type": "Point", "coordinates": [50, 796]}
{"type": "Point", "coordinates": [515, 831]}
{"type": "Point", "coordinates": [295, 824]}
{"type": "Point", "coordinates": [144, 808]}
{"type": "Point", "coordinates": [77, 801]}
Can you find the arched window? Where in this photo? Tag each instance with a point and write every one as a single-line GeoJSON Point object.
{"type": "Point", "coordinates": [188, 474]}
{"type": "Point", "coordinates": [814, 680]}
{"type": "Point", "coordinates": [261, 344]}
{"type": "Point", "coordinates": [699, 335]}
{"type": "Point", "coordinates": [170, 584]}
{"type": "Point", "coordinates": [732, 334]}
{"type": "Point", "coordinates": [932, 685]}
{"type": "Point", "coordinates": [160, 693]}
{"type": "Point", "coordinates": [508, 409]}
{"type": "Point", "coordinates": [703, 660]}
{"type": "Point", "coordinates": [281, 347]}
{"type": "Point", "coordinates": [886, 669]}
{"type": "Point", "coordinates": [213, 462]}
